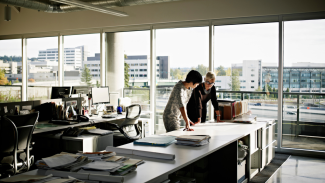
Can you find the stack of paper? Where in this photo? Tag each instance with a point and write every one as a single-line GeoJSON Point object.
{"type": "Point", "coordinates": [103, 166]}
{"type": "Point", "coordinates": [63, 161]}
{"type": "Point", "coordinates": [97, 156]}
{"type": "Point", "coordinates": [193, 140]}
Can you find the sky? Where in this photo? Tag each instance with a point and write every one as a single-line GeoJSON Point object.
{"type": "Point", "coordinates": [304, 41]}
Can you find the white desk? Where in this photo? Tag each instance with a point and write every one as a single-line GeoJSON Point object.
{"type": "Point", "coordinates": [222, 135]}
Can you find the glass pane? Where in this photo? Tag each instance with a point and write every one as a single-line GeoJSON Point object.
{"type": "Point", "coordinates": [136, 67]}
{"type": "Point", "coordinates": [42, 67]}
{"type": "Point", "coordinates": [303, 83]}
{"type": "Point", "coordinates": [10, 70]}
{"type": "Point", "coordinates": [246, 63]}
{"type": "Point", "coordinates": [82, 60]}
{"type": "Point", "coordinates": [178, 51]}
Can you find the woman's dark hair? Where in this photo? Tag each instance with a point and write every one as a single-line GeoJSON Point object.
{"type": "Point", "coordinates": [193, 76]}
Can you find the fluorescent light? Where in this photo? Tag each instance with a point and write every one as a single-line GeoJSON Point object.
{"type": "Point", "coordinates": [92, 7]}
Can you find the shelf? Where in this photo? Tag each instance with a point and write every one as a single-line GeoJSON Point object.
{"type": "Point", "coordinates": [254, 151]}
{"type": "Point", "coordinates": [254, 171]}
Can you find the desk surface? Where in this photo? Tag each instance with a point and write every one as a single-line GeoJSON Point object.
{"type": "Point", "coordinates": [53, 127]}
{"type": "Point", "coordinates": [221, 134]}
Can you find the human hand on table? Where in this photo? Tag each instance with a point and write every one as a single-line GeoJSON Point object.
{"type": "Point", "coordinates": [198, 121]}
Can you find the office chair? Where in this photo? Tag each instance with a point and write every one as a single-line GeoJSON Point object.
{"type": "Point", "coordinates": [126, 130]}
{"type": "Point", "coordinates": [15, 139]}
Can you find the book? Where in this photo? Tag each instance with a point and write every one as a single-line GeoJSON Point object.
{"type": "Point", "coordinates": [156, 141]}
{"type": "Point", "coordinates": [193, 140]}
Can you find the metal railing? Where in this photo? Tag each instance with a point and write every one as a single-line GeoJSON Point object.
{"type": "Point", "coordinates": [10, 93]}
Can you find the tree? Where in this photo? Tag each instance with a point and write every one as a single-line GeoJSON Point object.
{"type": "Point", "coordinates": [202, 69]}
{"type": "Point", "coordinates": [86, 76]}
{"type": "Point", "coordinates": [228, 72]}
{"type": "Point", "coordinates": [126, 75]}
{"type": "Point", "coordinates": [3, 78]}
{"type": "Point", "coordinates": [177, 74]}
{"type": "Point", "coordinates": [234, 79]}
{"type": "Point", "coordinates": [221, 71]}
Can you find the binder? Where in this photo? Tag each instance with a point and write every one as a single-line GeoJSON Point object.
{"type": "Point", "coordinates": [156, 141]}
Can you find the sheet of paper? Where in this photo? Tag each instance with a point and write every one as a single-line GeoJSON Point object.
{"type": "Point", "coordinates": [59, 160]}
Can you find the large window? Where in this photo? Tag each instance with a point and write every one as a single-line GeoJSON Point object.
{"type": "Point", "coordinates": [10, 70]}
{"type": "Point", "coordinates": [136, 45]}
{"type": "Point", "coordinates": [303, 114]}
{"type": "Point", "coordinates": [248, 52]}
{"type": "Point", "coordinates": [178, 51]}
{"type": "Point", "coordinates": [82, 60]}
{"type": "Point", "coordinates": [42, 67]}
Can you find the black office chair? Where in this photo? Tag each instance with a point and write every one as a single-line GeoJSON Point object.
{"type": "Point", "coordinates": [126, 130]}
{"type": "Point", "coordinates": [15, 139]}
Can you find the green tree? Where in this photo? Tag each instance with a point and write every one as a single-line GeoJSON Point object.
{"type": "Point", "coordinates": [202, 69]}
{"type": "Point", "coordinates": [235, 83]}
{"type": "Point", "coordinates": [86, 76]}
{"type": "Point", "coordinates": [177, 74]}
{"type": "Point", "coordinates": [3, 78]}
{"type": "Point", "coordinates": [126, 75]}
{"type": "Point", "coordinates": [221, 71]}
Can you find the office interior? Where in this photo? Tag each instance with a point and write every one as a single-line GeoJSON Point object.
{"type": "Point", "coordinates": [28, 23]}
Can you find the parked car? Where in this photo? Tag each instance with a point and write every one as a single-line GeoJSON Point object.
{"type": "Point", "coordinates": [291, 113]}
{"type": "Point", "coordinates": [291, 107]}
{"type": "Point", "coordinates": [258, 104]}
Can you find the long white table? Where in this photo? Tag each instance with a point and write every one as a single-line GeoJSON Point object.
{"type": "Point", "coordinates": [222, 135]}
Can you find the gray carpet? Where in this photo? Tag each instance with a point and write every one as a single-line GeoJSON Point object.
{"type": "Point", "coordinates": [270, 169]}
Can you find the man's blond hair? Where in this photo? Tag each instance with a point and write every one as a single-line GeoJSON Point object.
{"type": "Point", "coordinates": [210, 75]}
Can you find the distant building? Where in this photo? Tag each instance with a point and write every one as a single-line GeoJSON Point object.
{"type": "Point", "coordinates": [72, 56]}
{"type": "Point", "coordinates": [93, 64]}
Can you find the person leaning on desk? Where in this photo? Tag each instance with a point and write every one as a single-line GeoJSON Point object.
{"type": "Point", "coordinates": [197, 106]}
{"type": "Point", "coordinates": [176, 105]}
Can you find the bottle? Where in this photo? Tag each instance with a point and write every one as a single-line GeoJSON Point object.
{"type": "Point", "coordinates": [119, 110]}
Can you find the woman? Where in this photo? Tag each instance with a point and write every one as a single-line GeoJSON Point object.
{"type": "Point", "coordinates": [197, 106]}
{"type": "Point", "coordinates": [176, 105]}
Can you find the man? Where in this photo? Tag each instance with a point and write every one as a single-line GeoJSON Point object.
{"type": "Point", "coordinates": [197, 106]}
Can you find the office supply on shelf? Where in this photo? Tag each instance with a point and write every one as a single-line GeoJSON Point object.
{"type": "Point", "coordinates": [60, 92]}
{"type": "Point", "coordinates": [159, 140]}
{"type": "Point", "coordinates": [141, 153]}
{"type": "Point", "coordinates": [193, 140]}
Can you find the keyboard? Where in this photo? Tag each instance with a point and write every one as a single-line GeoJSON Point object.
{"type": "Point", "coordinates": [109, 116]}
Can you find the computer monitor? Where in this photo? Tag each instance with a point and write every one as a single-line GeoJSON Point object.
{"type": "Point", "coordinates": [60, 92]}
{"type": "Point", "coordinates": [81, 90]}
{"type": "Point", "coordinates": [100, 95]}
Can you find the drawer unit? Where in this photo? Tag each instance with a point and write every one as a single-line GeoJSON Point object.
{"type": "Point", "coordinates": [268, 135]}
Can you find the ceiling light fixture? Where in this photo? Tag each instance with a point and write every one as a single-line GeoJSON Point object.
{"type": "Point", "coordinates": [7, 13]}
{"type": "Point", "coordinates": [92, 7]}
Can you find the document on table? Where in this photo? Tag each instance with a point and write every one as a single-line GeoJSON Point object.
{"type": "Point", "coordinates": [59, 160]}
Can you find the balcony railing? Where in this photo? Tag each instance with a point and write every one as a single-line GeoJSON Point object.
{"type": "Point", "coordinates": [303, 113]}
{"type": "Point", "coordinates": [10, 93]}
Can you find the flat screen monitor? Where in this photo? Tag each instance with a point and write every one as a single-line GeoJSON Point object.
{"type": "Point", "coordinates": [100, 95]}
{"type": "Point", "coordinates": [60, 92]}
{"type": "Point", "coordinates": [81, 90]}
